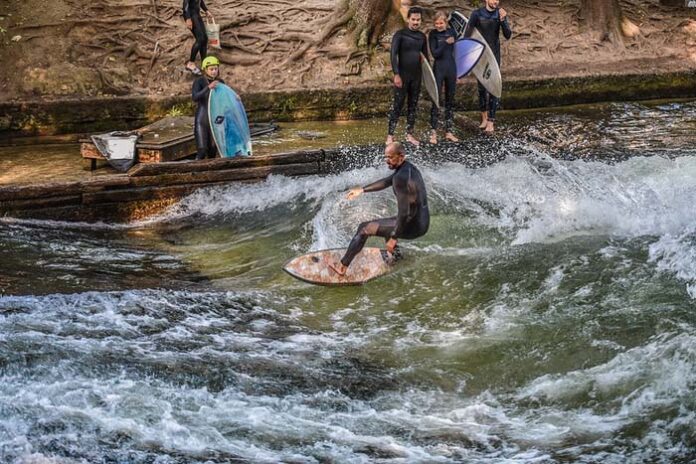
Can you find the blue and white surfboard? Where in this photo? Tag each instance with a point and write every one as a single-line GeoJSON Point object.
{"type": "Point", "coordinates": [467, 53]}
{"type": "Point", "coordinates": [228, 122]}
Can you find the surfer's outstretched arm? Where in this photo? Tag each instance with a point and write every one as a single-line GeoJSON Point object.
{"type": "Point", "coordinates": [373, 187]}
{"type": "Point", "coordinates": [379, 185]}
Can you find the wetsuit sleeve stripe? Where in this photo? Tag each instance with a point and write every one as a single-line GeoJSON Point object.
{"type": "Point", "coordinates": [395, 45]}
{"type": "Point", "coordinates": [379, 185]}
{"type": "Point", "coordinates": [204, 7]}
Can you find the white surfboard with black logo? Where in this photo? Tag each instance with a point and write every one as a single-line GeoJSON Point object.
{"type": "Point", "coordinates": [487, 71]}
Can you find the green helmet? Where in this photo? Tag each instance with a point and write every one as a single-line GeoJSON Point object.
{"type": "Point", "coordinates": [210, 61]}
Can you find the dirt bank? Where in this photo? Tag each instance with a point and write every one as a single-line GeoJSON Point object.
{"type": "Point", "coordinates": [69, 48]}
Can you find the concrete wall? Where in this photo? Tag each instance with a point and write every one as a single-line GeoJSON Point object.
{"type": "Point", "coordinates": [51, 118]}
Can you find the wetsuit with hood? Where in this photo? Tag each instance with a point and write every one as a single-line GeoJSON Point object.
{"type": "Point", "coordinates": [489, 25]}
{"type": "Point", "coordinates": [406, 49]}
{"type": "Point", "coordinates": [445, 70]}
{"type": "Point", "coordinates": [205, 144]}
{"type": "Point", "coordinates": [413, 218]}
{"type": "Point", "coordinates": [192, 10]}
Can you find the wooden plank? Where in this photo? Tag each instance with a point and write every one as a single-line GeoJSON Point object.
{"type": "Point", "coordinates": [171, 143]}
{"type": "Point", "coordinates": [149, 153]}
{"type": "Point", "coordinates": [226, 163]}
{"type": "Point", "coordinates": [170, 152]}
{"type": "Point", "coordinates": [89, 150]}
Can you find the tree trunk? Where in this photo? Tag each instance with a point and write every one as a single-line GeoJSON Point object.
{"type": "Point", "coordinates": [370, 18]}
{"type": "Point", "coordinates": [603, 17]}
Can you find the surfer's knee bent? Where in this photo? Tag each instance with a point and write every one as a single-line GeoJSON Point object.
{"type": "Point", "coordinates": [367, 228]}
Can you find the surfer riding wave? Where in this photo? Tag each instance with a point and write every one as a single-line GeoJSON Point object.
{"type": "Point", "coordinates": [413, 218]}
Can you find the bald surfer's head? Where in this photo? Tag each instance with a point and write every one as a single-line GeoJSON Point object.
{"type": "Point", "coordinates": [395, 154]}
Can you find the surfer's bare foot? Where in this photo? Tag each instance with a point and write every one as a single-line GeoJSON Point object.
{"type": "Point", "coordinates": [339, 268]}
{"type": "Point", "coordinates": [433, 138]}
{"type": "Point", "coordinates": [390, 139]}
{"type": "Point", "coordinates": [484, 120]}
{"type": "Point", "coordinates": [412, 140]}
{"type": "Point", "coordinates": [490, 127]}
{"type": "Point", "coordinates": [450, 136]}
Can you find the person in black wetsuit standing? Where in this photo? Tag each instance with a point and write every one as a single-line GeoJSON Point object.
{"type": "Point", "coordinates": [441, 41]}
{"type": "Point", "coordinates": [489, 20]}
{"type": "Point", "coordinates": [406, 48]}
{"type": "Point", "coordinates": [413, 218]}
{"type": "Point", "coordinates": [193, 11]}
{"type": "Point", "coordinates": [200, 91]}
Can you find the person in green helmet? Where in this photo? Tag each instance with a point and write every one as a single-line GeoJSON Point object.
{"type": "Point", "coordinates": [205, 145]}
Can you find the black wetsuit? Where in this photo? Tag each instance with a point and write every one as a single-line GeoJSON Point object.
{"type": "Point", "coordinates": [413, 218]}
{"type": "Point", "coordinates": [406, 48]}
{"type": "Point", "coordinates": [205, 145]}
{"type": "Point", "coordinates": [192, 10]}
{"type": "Point", "coordinates": [445, 70]}
{"type": "Point", "coordinates": [489, 25]}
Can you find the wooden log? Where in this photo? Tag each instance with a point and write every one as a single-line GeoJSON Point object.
{"type": "Point", "coordinates": [58, 189]}
{"type": "Point", "coordinates": [159, 187]}
{"type": "Point", "coordinates": [24, 192]}
{"type": "Point", "coordinates": [226, 163]}
{"type": "Point", "coordinates": [152, 187]}
{"type": "Point", "coordinates": [140, 194]}
{"type": "Point", "coordinates": [39, 203]}
{"type": "Point", "coordinates": [106, 183]}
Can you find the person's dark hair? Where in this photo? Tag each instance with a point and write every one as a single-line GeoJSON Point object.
{"type": "Point", "coordinates": [414, 10]}
{"type": "Point", "coordinates": [398, 148]}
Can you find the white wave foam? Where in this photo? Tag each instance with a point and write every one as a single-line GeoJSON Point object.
{"type": "Point", "coordinates": [639, 384]}
{"type": "Point", "coordinates": [275, 190]}
{"type": "Point", "coordinates": [641, 196]}
{"type": "Point", "coordinates": [676, 254]}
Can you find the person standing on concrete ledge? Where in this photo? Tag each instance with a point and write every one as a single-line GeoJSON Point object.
{"type": "Point", "coordinates": [205, 145]}
{"type": "Point", "coordinates": [441, 41]}
{"type": "Point", "coordinates": [489, 20]}
{"type": "Point", "coordinates": [407, 48]}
